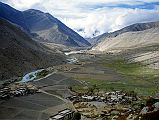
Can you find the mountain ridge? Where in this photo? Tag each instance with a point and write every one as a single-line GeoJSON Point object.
{"type": "Point", "coordinates": [20, 54]}
{"type": "Point", "coordinates": [135, 46]}
{"type": "Point", "coordinates": [36, 22]}
{"type": "Point", "coordinates": [131, 28]}
{"type": "Point", "coordinates": [15, 17]}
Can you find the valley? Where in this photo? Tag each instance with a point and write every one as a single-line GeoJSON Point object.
{"type": "Point", "coordinates": [107, 72]}
{"type": "Point", "coordinates": [49, 71]}
{"type": "Point", "coordinates": [110, 72]}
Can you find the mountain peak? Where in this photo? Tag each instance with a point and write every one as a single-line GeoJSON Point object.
{"type": "Point", "coordinates": [44, 25]}
{"type": "Point", "coordinates": [131, 28]}
{"type": "Point", "coordinates": [133, 36]}
{"type": "Point", "coordinates": [33, 11]}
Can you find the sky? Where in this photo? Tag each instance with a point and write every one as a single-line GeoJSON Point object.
{"type": "Point", "coordinates": [91, 18]}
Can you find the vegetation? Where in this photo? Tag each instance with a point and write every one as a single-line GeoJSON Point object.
{"type": "Point", "coordinates": [76, 116]}
{"type": "Point", "coordinates": [42, 74]}
{"type": "Point", "coordinates": [150, 116]}
{"type": "Point", "coordinates": [30, 76]}
{"type": "Point", "coordinates": [131, 76]}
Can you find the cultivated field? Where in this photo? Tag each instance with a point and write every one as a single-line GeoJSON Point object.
{"type": "Point", "coordinates": [114, 72]}
{"type": "Point", "coordinates": [40, 106]}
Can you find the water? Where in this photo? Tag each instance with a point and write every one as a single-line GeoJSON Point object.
{"type": "Point", "coordinates": [74, 52]}
{"type": "Point", "coordinates": [31, 76]}
{"type": "Point", "coordinates": [72, 60]}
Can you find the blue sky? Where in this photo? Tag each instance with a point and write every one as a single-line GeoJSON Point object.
{"type": "Point", "coordinates": [144, 5]}
{"type": "Point", "coordinates": [94, 17]}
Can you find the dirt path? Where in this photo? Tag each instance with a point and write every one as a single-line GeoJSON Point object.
{"type": "Point", "coordinates": [64, 100]}
{"type": "Point", "coordinates": [67, 103]}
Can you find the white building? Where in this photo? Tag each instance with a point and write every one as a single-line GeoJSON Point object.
{"type": "Point", "coordinates": [63, 115]}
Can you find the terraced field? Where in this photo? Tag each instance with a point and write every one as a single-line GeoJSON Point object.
{"type": "Point", "coordinates": [40, 106]}
{"type": "Point", "coordinates": [106, 71]}
{"type": "Point", "coordinates": [28, 107]}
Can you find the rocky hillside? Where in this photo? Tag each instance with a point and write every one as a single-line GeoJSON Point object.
{"type": "Point", "coordinates": [51, 29]}
{"type": "Point", "coordinates": [20, 54]}
{"type": "Point", "coordinates": [138, 46]}
{"type": "Point", "coordinates": [43, 26]}
{"type": "Point", "coordinates": [148, 56]}
{"type": "Point", "coordinates": [132, 28]}
{"type": "Point", "coordinates": [129, 40]}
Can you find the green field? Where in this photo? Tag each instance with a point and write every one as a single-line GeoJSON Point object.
{"type": "Point", "coordinates": [130, 76]}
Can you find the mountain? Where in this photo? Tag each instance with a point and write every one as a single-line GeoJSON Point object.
{"type": "Point", "coordinates": [129, 40]}
{"type": "Point", "coordinates": [20, 54]}
{"type": "Point", "coordinates": [13, 15]}
{"type": "Point", "coordinates": [51, 29]}
{"type": "Point", "coordinates": [43, 26]}
{"type": "Point", "coordinates": [131, 28]}
{"type": "Point", "coordinates": [97, 39]}
{"type": "Point", "coordinates": [136, 46]}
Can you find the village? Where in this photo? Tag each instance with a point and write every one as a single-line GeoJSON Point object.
{"type": "Point", "coordinates": [65, 114]}
{"type": "Point", "coordinates": [16, 89]}
{"type": "Point", "coordinates": [103, 104]}
{"type": "Point", "coordinates": [92, 105]}
{"type": "Point", "coordinates": [115, 105]}
{"type": "Point", "coordinates": [110, 98]}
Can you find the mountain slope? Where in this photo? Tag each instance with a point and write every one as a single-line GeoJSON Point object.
{"type": "Point", "coordinates": [129, 40]}
{"type": "Point", "coordinates": [12, 15]}
{"type": "Point", "coordinates": [20, 54]}
{"type": "Point", "coordinates": [51, 29]}
{"type": "Point", "coordinates": [132, 28]}
{"type": "Point", "coordinates": [148, 56]}
{"type": "Point", "coordinates": [138, 46]}
{"type": "Point", "coordinates": [45, 27]}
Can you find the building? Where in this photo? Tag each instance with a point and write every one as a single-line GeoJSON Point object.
{"type": "Point", "coordinates": [66, 114]}
{"type": "Point", "coordinates": [57, 117]}
{"type": "Point", "coordinates": [88, 98]}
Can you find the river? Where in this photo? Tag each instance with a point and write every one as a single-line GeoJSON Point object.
{"type": "Point", "coordinates": [30, 76]}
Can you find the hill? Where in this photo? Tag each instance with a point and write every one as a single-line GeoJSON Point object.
{"type": "Point", "coordinates": [132, 28]}
{"type": "Point", "coordinates": [43, 26]}
{"type": "Point", "coordinates": [20, 54]}
{"type": "Point", "coordinates": [136, 46]}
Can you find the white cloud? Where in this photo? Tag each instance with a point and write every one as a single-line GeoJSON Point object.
{"type": "Point", "coordinates": [131, 16]}
{"type": "Point", "coordinates": [107, 20]}
{"type": "Point", "coordinates": [89, 16]}
{"type": "Point", "coordinates": [23, 4]}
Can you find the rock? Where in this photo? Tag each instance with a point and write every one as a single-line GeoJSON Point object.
{"type": "Point", "coordinates": [144, 110]}
{"type": "Point", "coordinates": [156, 105]}
{"type": "Point", "coordinates": [115, 117]}
{"type": "Point", "coordinates": [115, 112]}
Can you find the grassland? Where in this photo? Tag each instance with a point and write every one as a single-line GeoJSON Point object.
{"type": "Point", "coordinates": [42, 74]}
{"type": "Point", "coordinates": [115, 73]}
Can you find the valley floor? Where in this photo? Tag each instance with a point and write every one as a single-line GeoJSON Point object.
{"type": "Point", "coordinates": [39, 106]}
{"type": "Point", "coordinates": [113, 72]}
{"type": "Point", "coordinates": [106, 72]}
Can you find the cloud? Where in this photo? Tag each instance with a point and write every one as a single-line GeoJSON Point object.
{"type": "Point", "coordinates": [22, 4]}
{"type": "Point", "coordinates": [108, 20]}
{"type": "Point", "coordinates": [93, 17]}
{"type": "Point", "coordinates": [131, 16]}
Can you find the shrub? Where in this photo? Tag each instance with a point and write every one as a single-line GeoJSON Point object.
{"type": "Point", "coordinates": [76, 116]}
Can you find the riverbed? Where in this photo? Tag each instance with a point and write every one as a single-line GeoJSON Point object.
{"type": "Point", "coordinates": [31, 76]}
